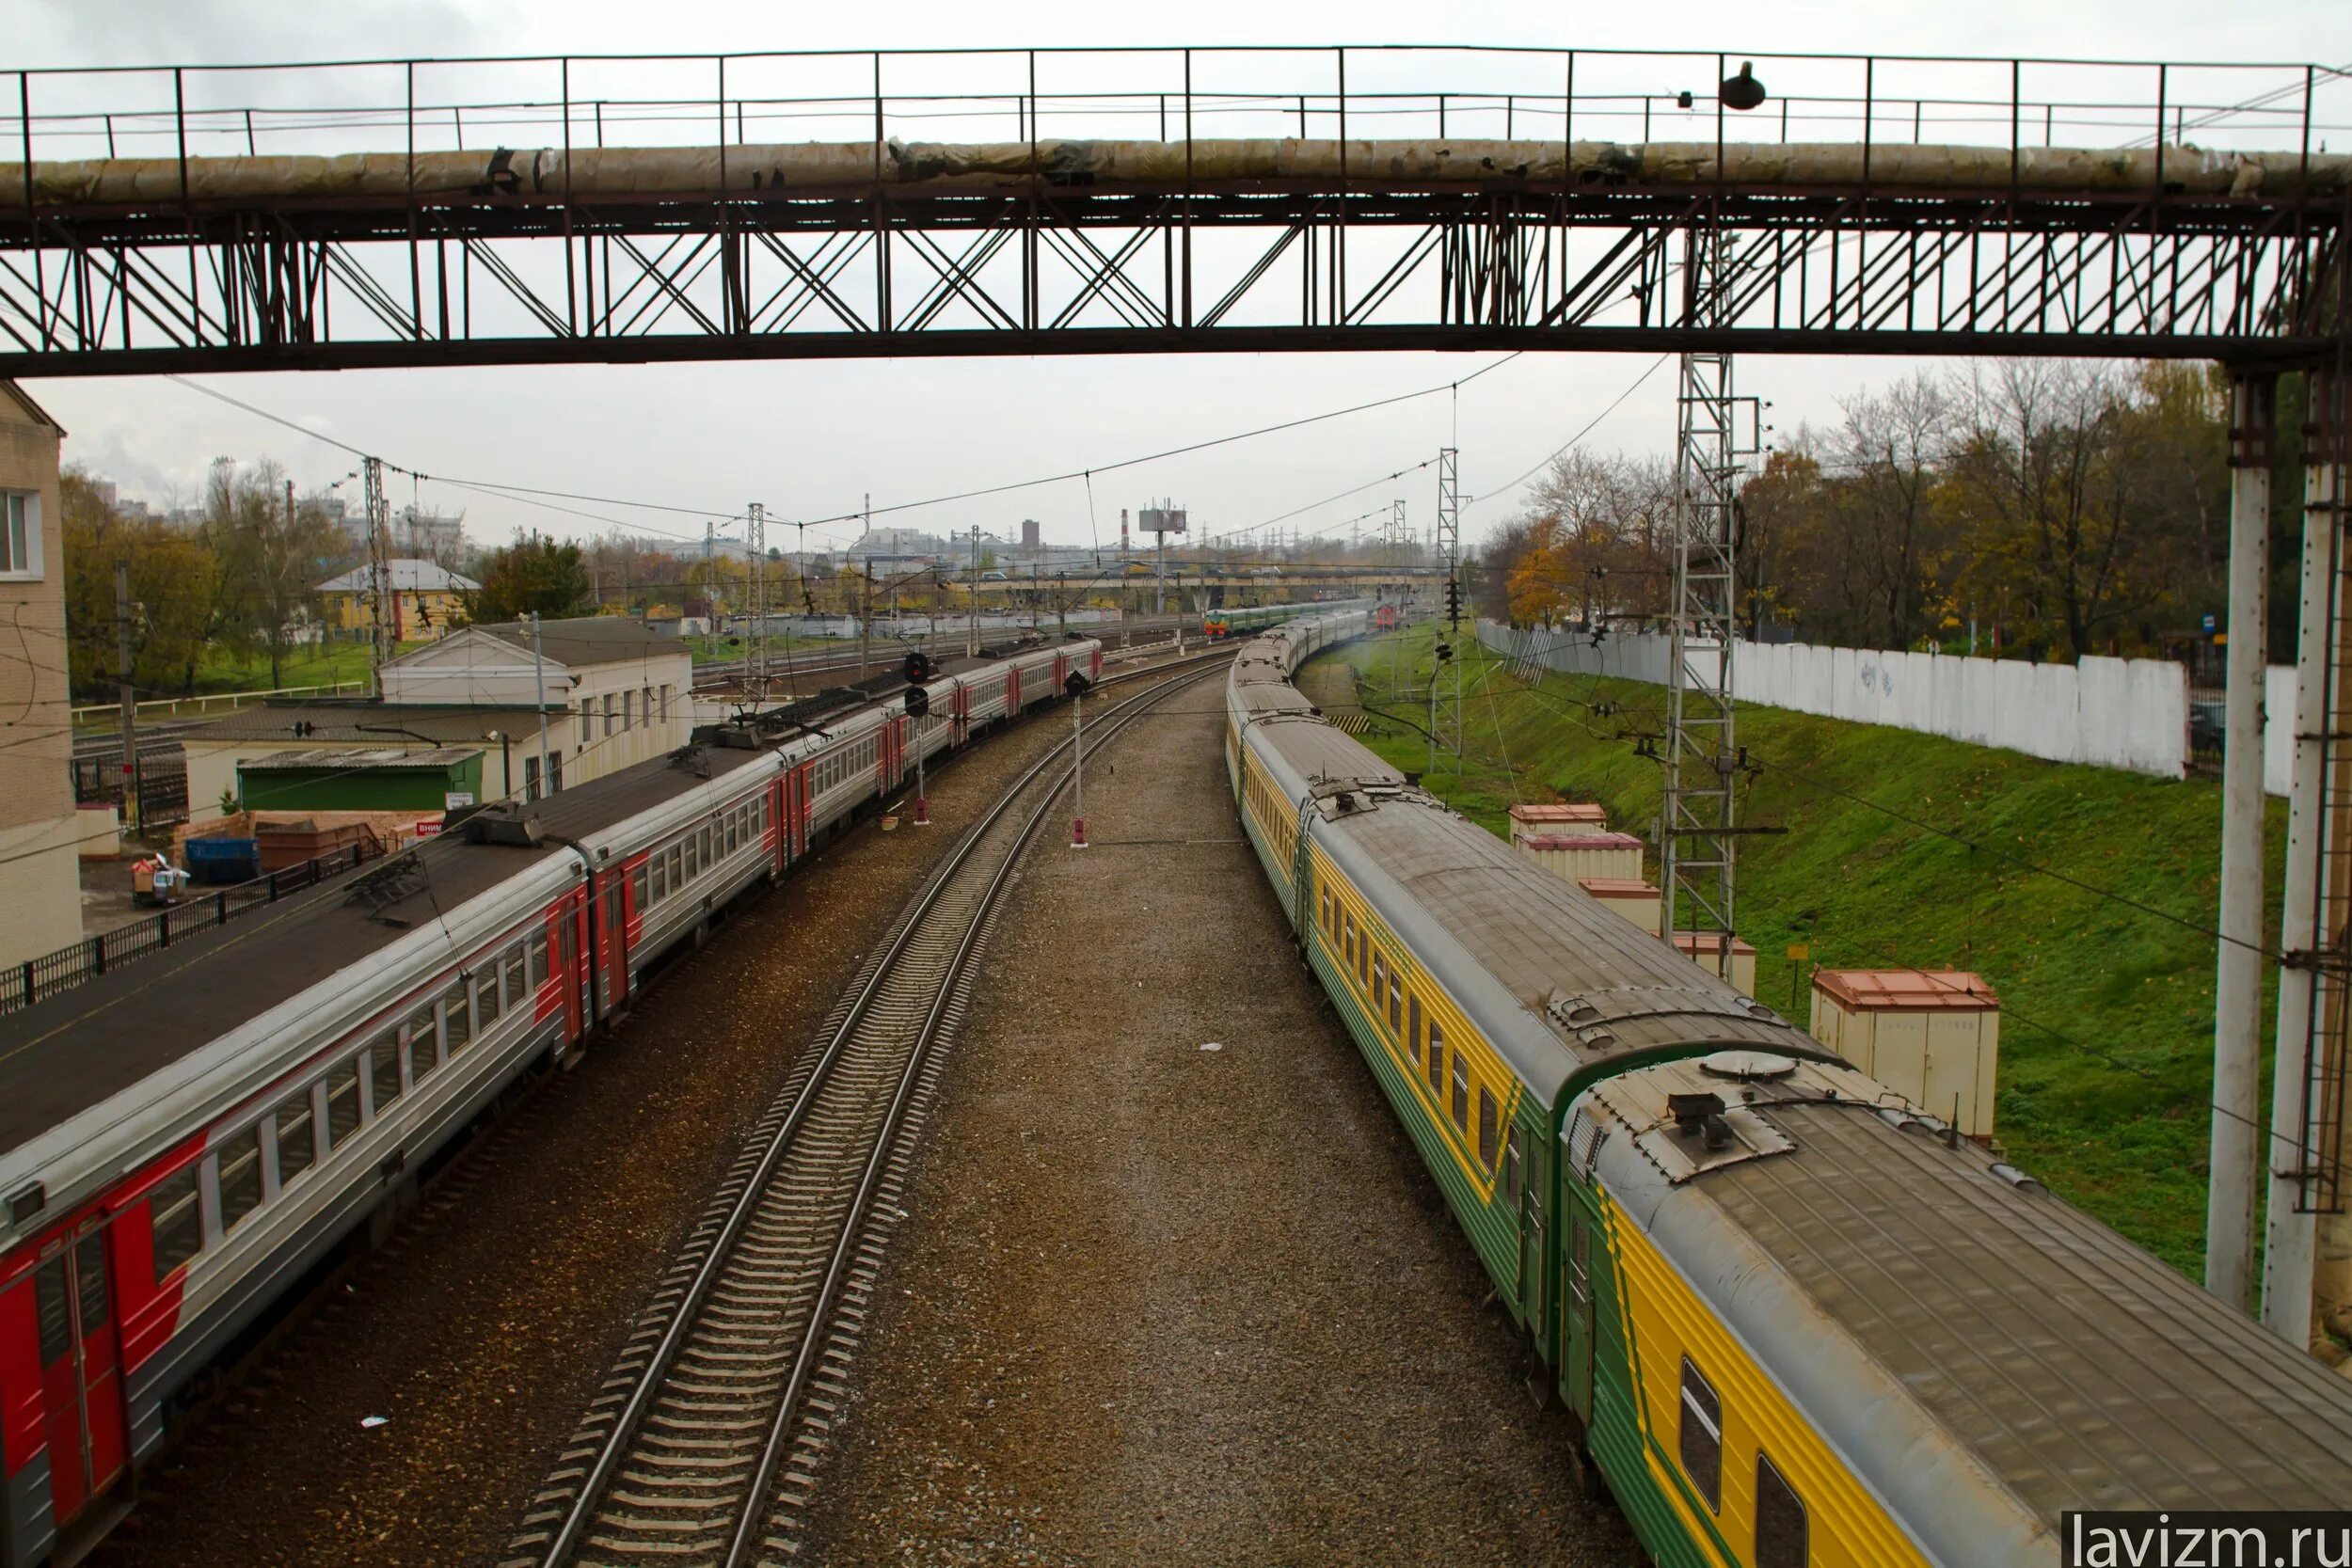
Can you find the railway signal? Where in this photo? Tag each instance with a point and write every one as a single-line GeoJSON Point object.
{"type": "Point", "coordinates": [1075, 683]}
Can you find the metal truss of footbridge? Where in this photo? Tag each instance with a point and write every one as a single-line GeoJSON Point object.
{"type": "Point", "coordinates": [569, 210]}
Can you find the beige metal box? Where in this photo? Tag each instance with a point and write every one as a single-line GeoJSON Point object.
{"type": "Point", "coordinates": [1630, 896]}
{"type": "Point", "coordinates": [1576, 856]}
{"type": "Point", "coordinates": [1699, 946]}
{"type": "Point", "coordinates": [1538, 821]}
{"type": "Point", "coordinates": [1932, 1036]}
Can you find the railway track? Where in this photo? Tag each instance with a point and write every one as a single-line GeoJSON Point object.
{"type": "Point", "coordinates": [702, 1445]}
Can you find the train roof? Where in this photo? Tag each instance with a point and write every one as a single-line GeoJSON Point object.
{"type": "Point", "coordinates": [72, 1050]}
{"type": "Point", "coordinates": [1556, 980]}
{"type": "Point", "coordinates": [1977, 1348]}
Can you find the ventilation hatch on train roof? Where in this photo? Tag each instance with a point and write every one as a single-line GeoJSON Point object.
{"type": "Point", "coordinates": [1684, 1121]}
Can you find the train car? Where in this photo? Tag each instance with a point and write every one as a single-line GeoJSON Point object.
{"type": "Point", "coordinates": [1795, 1320]}
{"type": "Point", "coordinates": [183, 1138]}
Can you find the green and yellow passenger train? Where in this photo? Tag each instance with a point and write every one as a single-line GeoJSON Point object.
{"type": "Point", "coordinates": [1797, 1321]}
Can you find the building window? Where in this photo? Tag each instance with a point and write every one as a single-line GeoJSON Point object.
{"type": "Point", "coordinates": [531, 778]}
{"type": "Point", "coordinates": [20, 535]}
{"type": "Point", "coordinates": [555, 773]}
{"type": "Point", "coordinates": [665, 704]}
{"type": "Point", "coordinates": [644, 703]}
{"type": "Point", "coordinates": [628, 710]}
{"type": "Point", "coordinates": [1702, 1439]}
{"type": "Point", "coordinates": [1781, 1536]}
{"type": "Point", "coordinates": [609, 712]}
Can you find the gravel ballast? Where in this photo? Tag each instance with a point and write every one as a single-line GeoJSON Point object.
{"type": "Point", "coordinates": [482, 1329]}
{"type": "Point", "coordinates": [1176, 1287]}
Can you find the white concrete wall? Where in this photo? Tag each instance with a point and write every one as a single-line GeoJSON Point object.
{"type": "Point", "coordinates": [2106, 712]}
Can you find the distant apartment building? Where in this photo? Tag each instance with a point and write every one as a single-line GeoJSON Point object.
{"type": "Point", "coordinates": [40, 891]}
{"type": "Point", "coordinates": [424, 595]}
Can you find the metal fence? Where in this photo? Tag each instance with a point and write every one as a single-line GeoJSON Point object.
{"type": "Point", "coordinates": [21, 985]}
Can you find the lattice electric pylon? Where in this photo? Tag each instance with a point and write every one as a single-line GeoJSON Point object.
{"type": "Point", "coordinates": [1698, 827]}
{"type": "Point", "coordinates": [380, 590]}
{"type": "Point", "coordinates": [1445, 727]}
{"type": "Point", "coordinates": [755, 648]}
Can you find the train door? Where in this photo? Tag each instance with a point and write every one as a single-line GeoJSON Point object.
{"type": "Point", "coordinates": [612, 967]}
{"type": "Point", "coordinates": [1531, 1187]}
{"type": "Point", "coordinates": [81, 1372]}
{"type": "Point", "coordinates": [1576, 1309]}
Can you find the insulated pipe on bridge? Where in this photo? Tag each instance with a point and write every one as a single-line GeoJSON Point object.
{"type": "Point", "coordinates": [2235, 1162]}
{"type": "Point", "coordinates": [506, 176]}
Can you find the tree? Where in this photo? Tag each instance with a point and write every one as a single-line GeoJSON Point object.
{"type": "Point", "coordinates": [172, 581]}
{"type": "Point", "coordinates": [271, 552]}
{"type": "Point", "coordinates": [534, 575]}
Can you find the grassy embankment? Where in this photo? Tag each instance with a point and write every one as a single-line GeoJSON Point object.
{"type": "Point", "coordinates": [2107, 1034]}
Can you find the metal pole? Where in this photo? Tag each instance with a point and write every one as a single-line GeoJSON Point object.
{"type": "Point", "coordinates": [539, 677]}
{"type": "Point", "coordinates": [755, 651]}
{"type": "Point", "coordinates": [922, 794]}
{"type": "Point", "coordinates": [2236, 1155]}
{"type": "Point", "coordinates": [2291, 1231]}
{"type": "Point", "coordinates": [866, 621]}
{"type": "Point", "coordinates": [130, 698]}
{"type": "Point", "coordinates": [972, 649]}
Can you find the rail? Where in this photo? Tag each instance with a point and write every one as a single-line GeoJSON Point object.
{"type": "Point", "coordinates": [37, 980]}
{"type": "Point", "coordinates": [761, 1263]}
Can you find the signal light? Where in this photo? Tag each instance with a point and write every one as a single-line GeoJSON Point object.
{"type": "Point", "coordinates": [919, 667]}
{"type": "Point", "coordinates": [918, 702]}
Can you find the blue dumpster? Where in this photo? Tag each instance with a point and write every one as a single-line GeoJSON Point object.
{"type": "Point", "coordinates": [216, 862]}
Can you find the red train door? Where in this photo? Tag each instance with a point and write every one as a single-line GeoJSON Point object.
{"type": "Point", "coordinates": [81, 1372]}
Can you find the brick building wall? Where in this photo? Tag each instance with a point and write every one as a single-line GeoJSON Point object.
{"type": "Point", "coordinates": [41, 896]}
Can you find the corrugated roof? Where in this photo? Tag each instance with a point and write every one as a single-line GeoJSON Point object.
{"type": "Point", "coordinates": [408, 576]}
{"type": "Point", "coordinates": [1882, 991]}
{"type": "Point", "coordinates": [1580, 840]}
{"type": "Point", "coordinates": [348, 760]}
{"type": "Point", "coordinates": [1574, 811]}
{"type": "Point", "coordinates": [588, 640]}
{"type": "Point", "coordinates": [370, 723]}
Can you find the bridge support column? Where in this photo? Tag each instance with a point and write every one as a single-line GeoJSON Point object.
{"type": "Point", "coordinates": [2235, 1163]}
{"type": "Point", "coordinates": [2305, 1149]}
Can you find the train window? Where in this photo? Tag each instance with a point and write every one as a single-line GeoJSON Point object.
{"type": "Point", "coordinates": [457, 1018]}
{"type": "Point", "coordinates": [511, 971]}
{"type": "Point", "coordinates": [637, 888]}
{"type": "Point", "coordinates": [57, 1318]}
{"type": "Point", "coordinates": [1461, 1091]}
{"type": "Point", "coordinates": [1702, 1439]}
{"type": "Point", "coordinates": [297, 1138]}
{"type": "Point", "coordinates": [1489, 1126]}
{"type": "Point", "coordinates": [1412, 1025]}
{"type": "Point", "coordinates": [424, 1052]}
{"type": "Point", "coordinates": [1396, 1002]}
{"type": "Point", "coordinates": [178, 1223]}
{"type": "Point", "coordinates": [677, 868]}
{"type": "Point", "coordinates": [1363, 958]}
{"type": "Point", "coordinates": [1436, 1059]}
{"type": "Point", "coordinates": [1347, 939]}
{"type": "Point", "coordinates": [240, 1168]}
{"type": "Point", "coordinates": [1511, 1168]}
{"type": "Point", "coordinates": [693, 856]}
{"type": "Point", "coordinates": [539, 954]}
{"type": "Point", "coordinates": [343, 1104]}
{"type": "Point", "coordinates": [660, 876]}
{"type": "Point", "coordinates": [487, 1000]}
{"type": "Point", "coordinates": [1781, 1536]}
{"type": "Point", "coordinates": [384, 1073]}
{"type": "Point", "coordinates": [1379, 982]}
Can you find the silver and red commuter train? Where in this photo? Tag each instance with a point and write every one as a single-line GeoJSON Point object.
{"type": "Point", "coordinates": [183, 1138]}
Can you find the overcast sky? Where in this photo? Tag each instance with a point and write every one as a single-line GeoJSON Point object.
{"type": "Point", "coordinates": [810, 439]}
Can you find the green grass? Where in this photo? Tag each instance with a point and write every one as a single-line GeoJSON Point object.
{"type": "Point", "coordinates": [2106, 1032]}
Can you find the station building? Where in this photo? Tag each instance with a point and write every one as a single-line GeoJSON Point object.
{"type": "Point", "coordinates": [615, 693]}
